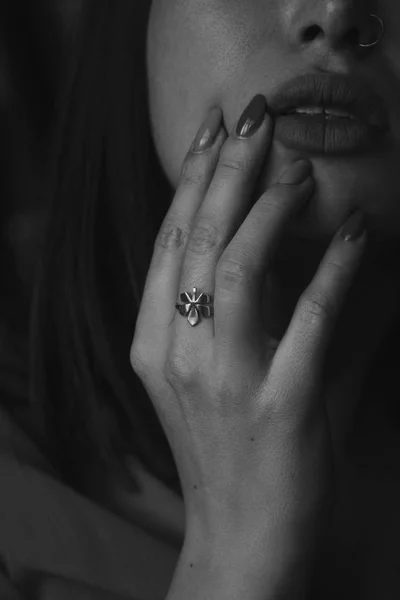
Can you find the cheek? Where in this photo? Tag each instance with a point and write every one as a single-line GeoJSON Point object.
{"type": "Point", "coordinates": [175, 118]}
{"type": "Point", "coordinates": [193, 63]}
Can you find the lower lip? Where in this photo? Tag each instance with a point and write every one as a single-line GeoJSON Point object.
{"type": "Point", "coordinates": [320, 135]}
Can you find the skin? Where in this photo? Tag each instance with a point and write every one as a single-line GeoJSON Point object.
{"type": "Point", "coordinates": [205, 53]}
{"type": "Point", "coordinates": [23, 227]}
{"type": "Point", "coordinates": [224, 52]}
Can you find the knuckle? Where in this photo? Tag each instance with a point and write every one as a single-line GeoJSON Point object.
{"type": "Point", "coordinates": [172, 235]}
{"type": "Point", "coordinates": [316, 307]}
{"type": "Point", "coordinates": [180, 370]}
{"type": "Point", "coordinates": [276, 201]}
{"type": "Point", "coordinates": [143, 355]}
{"type": "Point", "coordinates": [341, 270]}
{"type": "Point", "coordinates": [138, 360]}
{"type": "Point", "coordinates": [204, 237]}
{"type": "Point", "coordinates": [233, 162]}
{"type": "Point", "coordinates": [232, 273]}
{"type": "Point", "coordinates": [194, 172]}
{"type": "Point", "coordinates": [232, 165]}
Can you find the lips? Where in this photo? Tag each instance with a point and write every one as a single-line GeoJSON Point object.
{"type": "Point", "coordinates": [317, 127]}
{"type": "Point", "coordinates": [318, 135]}
{"type": "Point", "coordinates": [331, 91]}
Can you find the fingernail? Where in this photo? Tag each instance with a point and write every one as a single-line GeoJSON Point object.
{"type": "Point", "coordinates": [208, 132]}
{"type": "Point", "coordinates": [354, 227]}
{"type": "Point", "coordinates": [252, 117]}
{"type": "Point", "coordinates": [297, 172]}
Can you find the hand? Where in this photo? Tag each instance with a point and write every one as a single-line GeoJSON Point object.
{"type": "Point", "coordinates": [244, 414]}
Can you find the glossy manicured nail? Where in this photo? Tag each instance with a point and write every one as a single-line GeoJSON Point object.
{"type": "Point", "coordinates": [252, 117]}
{"type": "Point", "coordinates": [208, 132]}
{"type": "Point", "coordinates": [354, 227]}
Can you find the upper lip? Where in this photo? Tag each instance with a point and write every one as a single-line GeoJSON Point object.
{"type": "Point", "coordinates": [340, 91]}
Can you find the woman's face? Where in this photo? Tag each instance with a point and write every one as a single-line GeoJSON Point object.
{"type": "Point", "coordinates": [203, 53]}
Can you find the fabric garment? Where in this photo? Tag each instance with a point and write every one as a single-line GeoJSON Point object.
{"type": "Point", "coordinates": [47, 529]}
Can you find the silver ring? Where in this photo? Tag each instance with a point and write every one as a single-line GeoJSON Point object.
{"type": "Point", "coordinates": [381, 36]}
{"type": "Point", "coordinates": [195, 305]}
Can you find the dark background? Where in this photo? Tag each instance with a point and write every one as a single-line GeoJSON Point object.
{"type": "Point", "coordinates": [36, 50]}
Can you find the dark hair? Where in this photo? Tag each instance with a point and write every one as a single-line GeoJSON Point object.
{"type": "Point", "coordinates": [106, 204]}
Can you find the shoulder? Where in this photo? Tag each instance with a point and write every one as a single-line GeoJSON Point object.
{"type": "Point", "coordinates": [8, 591]}
{"type": "Point", "coordinates": [17, 444]}
{"type": "Point", "coordinates": [47, 527]}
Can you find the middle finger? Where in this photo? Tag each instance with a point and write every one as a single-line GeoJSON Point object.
{"type": "Point", "coordinates": [225, 205]}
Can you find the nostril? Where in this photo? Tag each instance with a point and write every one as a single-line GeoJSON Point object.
{"type": "Point", "coordinates": [311, 33]}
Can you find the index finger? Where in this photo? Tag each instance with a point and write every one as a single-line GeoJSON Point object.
{"type": "Point", "coordinates": [157, 309]}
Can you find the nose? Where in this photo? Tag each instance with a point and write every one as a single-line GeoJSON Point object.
{"type": "Point", "coordinates": [329, 25]}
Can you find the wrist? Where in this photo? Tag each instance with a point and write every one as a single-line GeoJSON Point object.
{"type": "Point", "coordinates": [255, 567]}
